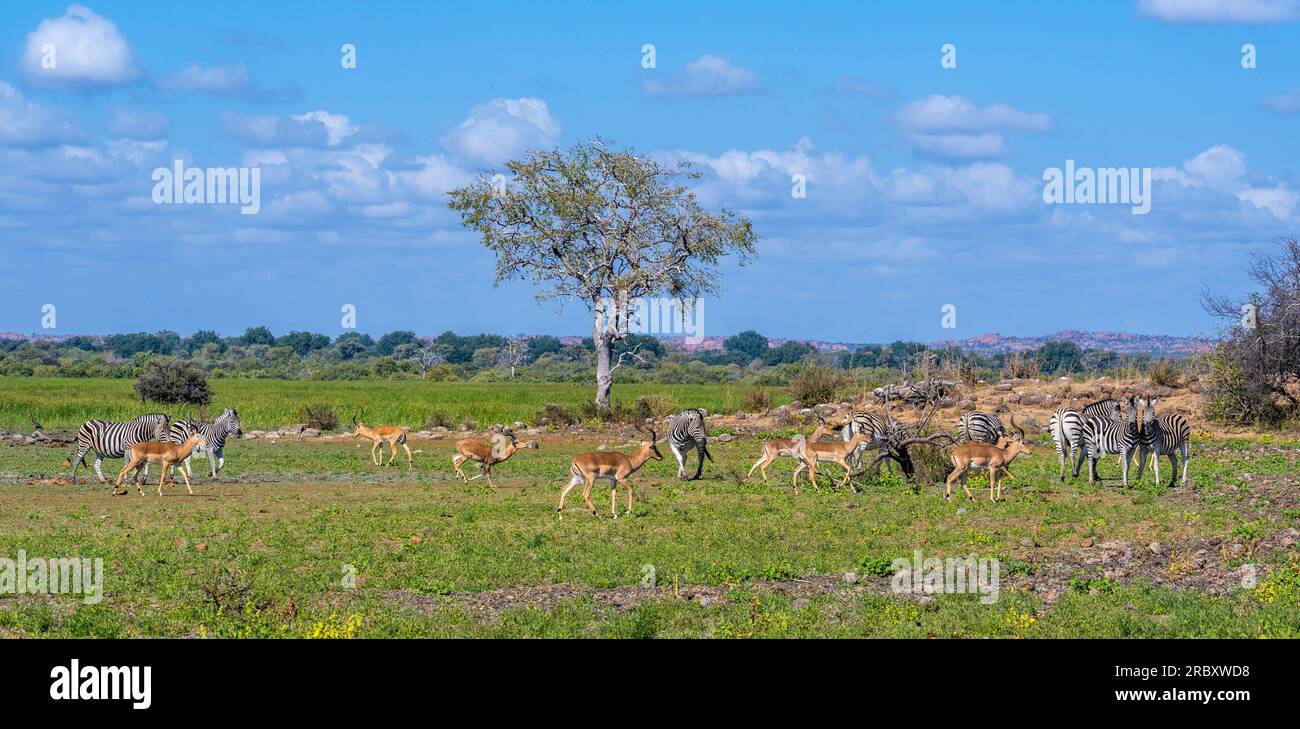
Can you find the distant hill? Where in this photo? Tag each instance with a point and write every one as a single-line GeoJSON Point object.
{"type": "Point", "coordinates": [1120, 342]}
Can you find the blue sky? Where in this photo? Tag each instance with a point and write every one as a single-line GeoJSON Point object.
{"type": "Point", "coordinates": [924, 183]}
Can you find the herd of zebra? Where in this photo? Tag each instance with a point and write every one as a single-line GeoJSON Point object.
{"type": "Point", "coordinates": [1100, 428]}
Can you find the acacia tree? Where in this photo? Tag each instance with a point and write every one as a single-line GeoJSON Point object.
{"type": "Point", "coordinates": [604, 227]}
{"type": "Point", "coordinates": [1255, 370]}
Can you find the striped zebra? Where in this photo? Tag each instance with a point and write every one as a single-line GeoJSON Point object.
{"type": "Point", "coordinates": [110, 439]}
{"type": "Point", "coordinates": [980, 427]}
{"type": "Point", "coordinates": [1105, 408]}
{"type": "Point", "coordinates": [878, 427]}
{"type": "Point", "coordinates": [686, 431]}
{"type": "Point", "coordinates": [214, 436]}
{"type": "Point", "coordinates": [1163, 436]}
{"type": "Point", "coordinates": [1067, 434]}
{"type": "Point", "coordinates": [1102, 435]}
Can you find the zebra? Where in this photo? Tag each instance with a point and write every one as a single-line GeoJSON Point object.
{"type": "Point", "coordinates": [686, 431]}
{"type": "Point", "coordinates": [1102, 435]}
{"type": "Point", "coordinates": [1163, 436]}
{"type": "Point", "coordinates": [1067, 433]}
{"type": "Point", "coordinates": [110, 439]}
{"type": "Point", "coordinates": [980, 427]}
{"type": "Point", "coordinates": [878, 427]}
{"type": "Point", "coordinates": [214, 436]}
{"type": "Point", "coordinates": [1105, 408]}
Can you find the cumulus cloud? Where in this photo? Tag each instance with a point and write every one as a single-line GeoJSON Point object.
{"type": "Point", "coordinates": [502, 129]}
{"type": "Point", "coordinates": [1223, 169]}
{"type": "Point", "coordinates": [24, 124]}
{"type": "Point", "coordinates": [954, 127]}
{"type": "Point", "coordinates": [708, 75]}
{"type": "Point", "coordinates": [78, 50]}
{"type": "Point", "coordinates": [1186, 12]}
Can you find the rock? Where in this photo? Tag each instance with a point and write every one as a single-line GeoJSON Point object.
{"type": "Point", "coordinates": [533, 431]}
{"type": "Point", "coordinates": [602, 447]}
{"type": "Point", "coordinates": [200, 547]}
{"type": "Point", "coordinates": [1087, 542]}
{"type": "Point", "coordinates": [310, 433]}
{"type": "Point", "coordinates": [704, 600]}
{"type": "Point", "coordinates": [1027, 542]}
{"type": "Point", "coordinates": [424, 434]}
{"type": "Point", "coordinates": [516, 425]}
{"type": "Point", "coordinates": [1156, 547]}
{"type": "Point", "coordinates": [851, 578]}
{"type": "Point", "coordinates": [416, 539]}
{"type": "Point", "coordinates": [801, 603]}
{"type": "Point", "coordinates": [962, 510]}
{"type": "Point", "coordinates": [437, 436]}
{"type": "Point", "coordinates": [726, 438]}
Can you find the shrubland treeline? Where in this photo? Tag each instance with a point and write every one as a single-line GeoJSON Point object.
{"type": "Point", "coordinates": [746, 357]}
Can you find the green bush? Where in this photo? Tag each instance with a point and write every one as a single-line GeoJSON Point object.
{"type": "Point", "coordinates": [173, 382]}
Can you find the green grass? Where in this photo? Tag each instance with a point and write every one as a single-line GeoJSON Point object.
{"type": "Point", "coordinates": [290, 521]}
{"type": "Point", "coordinates": [66, 403]}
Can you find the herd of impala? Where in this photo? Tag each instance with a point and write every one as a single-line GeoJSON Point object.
{"type": "Point", "coordinates": [981, 443]}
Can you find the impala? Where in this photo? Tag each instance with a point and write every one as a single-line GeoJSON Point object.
{"type": "Point", "coordinates": [617, 467]}
{"type": "Point", "coordinates": [393, 435]}
{"type": "Point", "coordinates": [811, 453]}
{"type": "Point", "coordinates": [994, 457]}
{"type": "Point", "coordinates": [486, 456]}
{"type": "Point", "coordinates": [168, 454]}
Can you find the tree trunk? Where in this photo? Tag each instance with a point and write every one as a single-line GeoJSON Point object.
{"type": "Point", "coordinates": [604, 377]}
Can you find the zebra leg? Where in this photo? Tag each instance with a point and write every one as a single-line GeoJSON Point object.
{"type": "Point", "coordinates": [1187, 459]}
{"type": "Point", "coordinates": [681, 461]}
{"type": "Point", "coordinates": [1124, 459]}
{"type": "Point", "coordinates": [1142, 462]}
{"type": "Point", "coordinates": [1173, 468]}
{"type": "Point", "coordinates": [212, 463]}
{"type": "Point", "coordinates": [1078, 463]}
{"type": "Point", "coordinates": [80, 460]}
{"type": "Point", "coordinates": [699, 467]}
{"type": "Point", "coordinates": [221, 460]}
{"type": "Point", "coordinates": [1061, 458]}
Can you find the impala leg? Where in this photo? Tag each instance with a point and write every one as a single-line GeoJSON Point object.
{"type": "Point", "coordinates": [613, 496]}
{"type": "Point", "coordinates": [569, 487]}
{"type": "Point", "coordinates": [965, 484]}
{"type": "Point", "coordinates": [373, 458]}
{"type": "Point", "coordinates": [456, 460]}
{"type": "Point", "coordinates": [410, 462]}
{"type": "Point", "coordinates": [187, 481]}
{"type": "Point", "coordinates": [628, 484]}
{"type": "Point", "coordinates": [760, 463]}
{"type": "Point", "coordinates": [956, 474]}
{"type": "Point", "coordinates": [586, 492]}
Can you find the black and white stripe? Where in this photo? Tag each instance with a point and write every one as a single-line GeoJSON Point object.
{"type": "Point", "coordinates": [112, 439]}
{"type": "Point", "coordinates": [879, 427]}
{"type": "Point", "coordinates": [980, 427]}
{"type": "Point", "coordinates": [686, 431]}
{"type": "Point", "coordinates": [1102, 435]}
{"type": "Point", "coordinates": [1103, 408]}
{"type": "Point", "coordinates": [1067, 434]}
{"type": "Point", "coordinates": [214, 435]}
{"type": "Point", "coordinates": [1166, 435]}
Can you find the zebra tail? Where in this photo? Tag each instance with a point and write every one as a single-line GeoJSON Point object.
{"type": "Point", "coordinates": [706, 452]}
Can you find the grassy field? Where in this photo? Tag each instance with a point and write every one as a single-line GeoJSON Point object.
{"type": "Point", "coordinates": [306, 538]}
{"type": "Point", "coordinates": [65, 403]}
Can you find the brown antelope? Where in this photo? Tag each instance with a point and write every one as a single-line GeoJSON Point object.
{"type": "Point", "coordinates": [168, 454]}
{"type": "Point", "coordinates": [486, 456]}
{"type": "Point", "coordinates": [778, 447]}
{"type": "Point", "coordinates": [839, 452]}
{"type": "Point", "coordinates": [393, 435]}
{"type": "Point", "coordinates": [996, 458]}
{"type": "Point", "coordinates": [617, 467]}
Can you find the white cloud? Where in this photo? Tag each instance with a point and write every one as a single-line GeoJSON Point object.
{"type": "Point", "coordinates": [1220, 166]}
{"type": "Point", "coordinates": [24, 124]}
{"type": "Point", "coordinates": [954, 127]}
{"type": "Point", "coordinates": [502, 129]}
{"type": "Point", "coordinates": [223, 81]}
{"type": "Point", "coordinates": [1284, 104]}
{"type": "Point", "coordinates": [938, 114]}
{"type": "Point", "coordinates": [86, 49]}
{"type": "Point", "coordinates": [216, 80]}
{"type": "Point", "coordinates": [337, 126]}
{"type": "Point", "coordinates": [1182, 12]}
{"type": "Point", "coordinates": [708, 75]}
